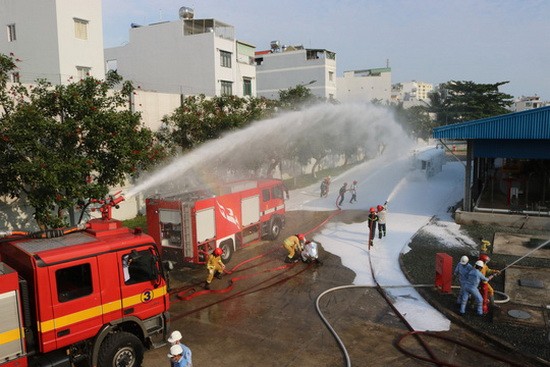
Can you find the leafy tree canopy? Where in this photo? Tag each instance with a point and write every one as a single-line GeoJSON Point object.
{"type": "Point", "coordinates": [459, 101]}
{"type": "Point", "coordinates": [62, 145]}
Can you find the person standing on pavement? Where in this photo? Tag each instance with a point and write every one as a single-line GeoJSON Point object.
{"type": "Point", "coordinates": [353, 190]}
{"type": "Point", "coordinates": [175, 339]}
{"type": "Point", "coordinates": [342, 193]}
{"type": "Point", "coordinates": [215, 266]}
{"type": "Point", "coordinates": [177, 358]}
{"type": "Point", "coordinates": [294, 245]}
{"type": "Point", "coordinates": [471, 284]}
{"type": "Point", "coordinates": [485, 270]}
{"type": "Point", "coordinates": [372, 219]}
{"type": "Point", "coordinates": [382, 211]}
{"type": "Point", "coordinates": [461, 271]}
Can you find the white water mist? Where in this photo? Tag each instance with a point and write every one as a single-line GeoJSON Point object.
{"type": "Point", "coordinates": [344, 121]}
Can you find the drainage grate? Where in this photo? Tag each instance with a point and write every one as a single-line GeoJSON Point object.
{"type": "Point", "coordinates": [519, 314]}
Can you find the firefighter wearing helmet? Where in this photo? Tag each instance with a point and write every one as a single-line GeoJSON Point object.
{"type": "Point", "coordinates": [485, 270]}
{"type": "Point", "coordinates": [471, 284]}
{"type": "Point", "coordinates": [214, 266]}
{"type": "Point", "coordinates": [372, 219]}
{"type": "Point", "coordinates": [294, 245]}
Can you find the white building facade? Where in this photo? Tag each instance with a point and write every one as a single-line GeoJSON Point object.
{"type": "Point", "coordinates": [57, 40]}
{"type": "Point", "coordinates": [280, 69]}
{"type": "Point", "coordinates": [188, 56]}
{"type": "Point", "coordinates": [365, 86]}
{"type": "Point", "coordinates": [528, 103]}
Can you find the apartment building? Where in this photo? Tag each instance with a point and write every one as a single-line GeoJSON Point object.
{"type": "Point", "coordinates": [56, 40]}
{"type": "Point", "coordinates": [283, 67]}
{"type": "Point", "coordinates": [187, 56]}
{"type": "Point", "coordinates": [369, 85]}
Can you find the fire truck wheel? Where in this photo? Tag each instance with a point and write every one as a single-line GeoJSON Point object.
{"type": "Point", "coordinates": [121, 350]}
{"type": "Point", "coordinates": [227, 247]}
{"type": "Point", "coordinates": [275, 228]}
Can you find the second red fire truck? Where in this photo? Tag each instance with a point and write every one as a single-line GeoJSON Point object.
{"type": "Point", "coordinates": [192, 224]}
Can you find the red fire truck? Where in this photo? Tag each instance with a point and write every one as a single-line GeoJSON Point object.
{"type": "Point", "coordinates": [93, 294]}
{"type": "Point", "coordinates": [190, 225]}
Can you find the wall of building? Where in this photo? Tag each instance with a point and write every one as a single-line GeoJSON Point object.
{"type": "Point", "coordinates": [288, 69]}
{"type": "Point", "coordinates": [364, 86]}
{"type": "Point", "coordinates": [58, 51]}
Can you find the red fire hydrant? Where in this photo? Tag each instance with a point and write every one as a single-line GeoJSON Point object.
{"type": "Point", "coordinates": [443, 272]}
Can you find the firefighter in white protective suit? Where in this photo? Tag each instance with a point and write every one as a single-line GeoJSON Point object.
{"type": "Point", "coordinates": [310, 254]}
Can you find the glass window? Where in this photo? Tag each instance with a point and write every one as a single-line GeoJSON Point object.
{"type": "Point", "coordinates": [82, 72]}
{"type": "Point", "coordinates": [266, 195]}
{"type": "Point", "coordinates": [81, 29]}
{"type": "Point", "coordinates": [247, 87]}
{"type": "Point", "coordinates": [225, 59]}
{"type": "Point", "coordinates": [278, 192]}
{"type": "Point", "coordinates": [138, 267]}
{"type": "Point", "coordinates": [226, 88]}
{"type": "Point", "coordinates": [73, 282]}
{"type": "Point", "coordinates": [11, 33]}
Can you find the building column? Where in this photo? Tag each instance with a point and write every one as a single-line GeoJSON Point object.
{"type": "Point", "coordinates": [467, 203]}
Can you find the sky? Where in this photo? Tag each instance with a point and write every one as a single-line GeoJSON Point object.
{"type": "Point", "coordinates": [433, 41]}
{"type": "Point", "coordinates": [413, 201]}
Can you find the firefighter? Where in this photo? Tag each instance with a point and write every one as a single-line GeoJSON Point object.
{"type": "Point", "coordinates": [311, 253]}
{"type": "Point", "coordinates": [470, 286]}
{"type": "Point", "coordinates": [485, 270]}
{"type": "Point", "coordinates": [175, 339]}
{"type": "Point", "coordinates": [215, 266]}
{"type": "Point", "coordinates": [381, 211]}
{"type": "Point", "coordinates": [461, 271]}
{"type": "Point", "coordinates": [342, 193]}
{"type": "Point", "coordinates": [294, 245]}
{"type": "Point", "coordinates": [353, 190]}
{"type": "Point", "coordinates": [372, 219]}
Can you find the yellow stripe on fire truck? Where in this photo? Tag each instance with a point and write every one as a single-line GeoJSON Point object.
{"type": "Point", "coordinates": [10, 336]}
{"type": "Point", "coordinates": [96, 311]}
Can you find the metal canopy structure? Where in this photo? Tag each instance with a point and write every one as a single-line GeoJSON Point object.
{"type": "Point", "coordinates": [514, 137]}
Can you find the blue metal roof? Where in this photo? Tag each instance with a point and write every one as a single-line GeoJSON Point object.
{"type": "Point", "coordinates": [531, 124]}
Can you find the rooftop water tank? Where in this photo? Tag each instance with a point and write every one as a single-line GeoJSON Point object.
{"type": "Point", "coordinates": [186, 13]}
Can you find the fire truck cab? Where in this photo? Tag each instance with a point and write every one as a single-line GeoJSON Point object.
{"type": "Point", "coordinates": [97, 295]}
{"type": "Point", "coordinates": [191, 225]}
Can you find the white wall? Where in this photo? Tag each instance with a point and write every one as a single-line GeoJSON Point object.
{"type": "Point", "coordinates": [362, 86]}
{"type": "Point", "coordinates": [284, 70]}
{"type": "Point", "coordinates": [46, 42]}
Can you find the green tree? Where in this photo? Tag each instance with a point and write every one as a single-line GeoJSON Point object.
{"type": "Point", "coordinates": [62, 145]}
{"type": "Point", "coordinates": [416, 120]}
{"type": "Point", "coordinates": [296, 98]}
{"type": "Point", "coordinates": [459, 101]}
{"type": "Point", "coordinates": [200, 119]}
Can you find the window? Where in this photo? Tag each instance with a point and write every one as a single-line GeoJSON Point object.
{"type": "Point", "coordinates": [278, 192]}
{"type": "Point", "coordinates": [330, 75]}
{"type": "Point", "coordinates": [138, 267]}
{"type": "Point", "coordinates": [11, 33]}
{"type": "Point", "coordinates": [112, 65]}
{"type": "Point", "coordinates": [225, 59]}
{"type": "Point", "coordinates": [73, 282]}
{"type": "Point", "coordinates": [14, 78]}
{"type": "Point", "coordinates": [266, 195]}
{"type": "Point", "coordinates": [81, 29]}
{"type": "Point", "coordinates": [247, 87]}
{"type": "Point", "coordinates": [227, 88]}
{"type": "Point", "coordinates": [82, 72]}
